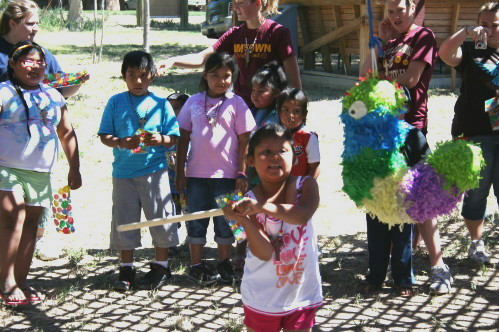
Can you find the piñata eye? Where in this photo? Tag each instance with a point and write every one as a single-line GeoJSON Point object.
{"type": "Point", "coordinates": [357, 110]}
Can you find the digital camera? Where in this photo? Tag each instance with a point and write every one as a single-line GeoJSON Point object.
{"type": "Point", "coordinates": [481, 45]}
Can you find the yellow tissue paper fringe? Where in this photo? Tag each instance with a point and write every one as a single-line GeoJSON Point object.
{"type": "Point", "coordinates": [387, 202]}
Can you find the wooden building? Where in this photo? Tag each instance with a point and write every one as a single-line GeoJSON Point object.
{"type": "Point", "coordinates": [333, 35]}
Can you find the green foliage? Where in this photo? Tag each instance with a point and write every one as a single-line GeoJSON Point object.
{"type": "Point", "coordinates": [171, 25]}
{"type": "Point", "coordinates": [56, 20]}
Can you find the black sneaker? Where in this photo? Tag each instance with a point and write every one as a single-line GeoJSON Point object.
{"type": "Point", "coordinates": [154, 279]}
{"type": "Point", "coordinates": [126, 278]}
{"type": "Point", "coordinates": [226, 272]}
{"type": "Point", "coordinates": [203, 274]}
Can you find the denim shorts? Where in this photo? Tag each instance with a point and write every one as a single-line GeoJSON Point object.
{"type": "Point", "coordinates": [475, 200]}
{"type": "Point", "coordinates": [201, 193]}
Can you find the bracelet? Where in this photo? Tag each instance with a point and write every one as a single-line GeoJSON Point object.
{"type": "Point", "coordinates": [242, 174]}
{"type": "Point", "coordinates": [466, 30]}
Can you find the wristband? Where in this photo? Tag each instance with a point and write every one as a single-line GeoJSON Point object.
{"type": "Point", "coordinates": [466, 30]}
{"type": "Point", "coordinates": [241, 175]}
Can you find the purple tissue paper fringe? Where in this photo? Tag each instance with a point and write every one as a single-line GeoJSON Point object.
{"type": "Point", "coordinates": [425, 199]}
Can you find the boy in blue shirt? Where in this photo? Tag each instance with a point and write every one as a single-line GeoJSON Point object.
{"type": "Point", "coordinates": [139, 126]}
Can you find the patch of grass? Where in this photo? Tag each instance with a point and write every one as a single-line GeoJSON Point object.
{"type": "Point", "coordinates": [75, 256]}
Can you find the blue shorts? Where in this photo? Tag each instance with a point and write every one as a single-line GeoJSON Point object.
{"type": "Point", "coordinates": [201, 193]}
{"type": "Point", "coordinates": [475, 200]}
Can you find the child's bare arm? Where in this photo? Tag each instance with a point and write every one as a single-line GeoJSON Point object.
{"type": "Point", "coordinates": [158, 139]}
{"type": "Point", "coordinates": [296, 214]}
{"type": "Point", "coordinates": [129, 143]}
{"type": "Point", "coordinates": [314, 170]}
{"type": "Point", "coordinates": [182, 146]}
{"type": "Point", "coordinates": [69, 143]}
{"type": "Point", "coordinates": [243, 141]}
{"type": "Point", "coordinates": [258, 241]}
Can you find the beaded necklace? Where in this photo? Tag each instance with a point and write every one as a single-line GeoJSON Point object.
{"type": "Point", "coordinates": [250, 48]}
{"type": "Point", "coordinates": [213, 120]}
{"type": "Point", "coordinates": [142, 119]}
{"type": "Point", "coordinates": [43, 111]}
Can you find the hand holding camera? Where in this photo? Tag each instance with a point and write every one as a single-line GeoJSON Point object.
{"type": "Point", "coordinates": [479, 35]}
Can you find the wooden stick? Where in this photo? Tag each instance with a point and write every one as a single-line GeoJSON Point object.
{"type": "Point", "coordinates": [171, 220]}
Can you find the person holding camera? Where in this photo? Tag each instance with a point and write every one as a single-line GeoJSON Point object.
{"type": "Point", "coordinates": [476, 111]}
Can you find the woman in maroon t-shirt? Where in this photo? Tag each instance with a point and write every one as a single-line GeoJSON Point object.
{"type": "Point", "coordinates": [254, 43]}
{"type": "Point", "coordinates": [409, 55]}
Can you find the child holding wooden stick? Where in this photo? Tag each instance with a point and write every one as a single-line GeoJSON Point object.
{"type": "Point", "coordinates": [281, 286]}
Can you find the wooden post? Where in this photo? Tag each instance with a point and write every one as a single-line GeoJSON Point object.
{"type": "Point", "coordinates": [309, 56]}
{"type": "Point", "coordinates": [343, 52]}
{"type": "Point", "coordinates": [326, 54]}
{"type": "Point", "coordinates": [455, 20]}
{"type": "Point", "coordinates": [184, 13]}
{"type": "Point", "coordinates": [363, 36]}
{"type": "Point", "coordinates": [139, 13]}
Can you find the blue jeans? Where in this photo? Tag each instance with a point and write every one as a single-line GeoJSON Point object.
{"type": "Point", "coordinates": [475, 200]}
{"type": "Point", "coordinates": [380, 242]}
{"type": "Point", "coordinates": [201, 193]}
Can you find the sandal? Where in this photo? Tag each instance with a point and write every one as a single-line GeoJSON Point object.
{"type": "Point", "coordinates": [404, 291]}
{"type": "Point", "coordinates": [32, 295]}
{"type": "Point", "coordinates": [6, 295]}
{"type": "Point", "coordinates": [367, 287]}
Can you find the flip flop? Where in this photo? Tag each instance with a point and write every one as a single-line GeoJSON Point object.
{"type": "Point", "coordinates": [32, 295]}
{"type": "Point", "coordinates": [5, 298]}
{"type": "Point", "coordinates": [404, 291]}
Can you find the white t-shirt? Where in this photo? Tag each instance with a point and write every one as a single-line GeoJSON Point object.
{"type": "Point", "coordinates": [37, 152]}
{"type": "Point", "coordinates": [279, 288]}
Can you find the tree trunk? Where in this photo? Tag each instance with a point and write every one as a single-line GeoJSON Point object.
{"type": "Point", "coordinates": [146, 24]}
{"type": "Point", "coordinates": [75, 12]}
{"type": "Point", "coordinates": [94, 49]}
{"type": "Point", "coordinates": [113, 5]}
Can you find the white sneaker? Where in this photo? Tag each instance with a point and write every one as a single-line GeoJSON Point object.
{"type": "Point", "coordinates": [477, 252]}
{"type": "Point", "coordinates": [441, 280]}
{"type": "Point", "coordinates": [46, 252]}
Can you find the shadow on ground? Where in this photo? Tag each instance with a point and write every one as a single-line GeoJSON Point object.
{"type": "Point", "coordinates": [79, 296]}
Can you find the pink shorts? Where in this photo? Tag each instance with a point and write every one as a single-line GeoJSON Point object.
{"type": "Point", "coordinates": [297, 320]}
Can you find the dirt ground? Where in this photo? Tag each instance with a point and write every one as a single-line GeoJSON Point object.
{"type": "Point", "coordinates": [79, 296]}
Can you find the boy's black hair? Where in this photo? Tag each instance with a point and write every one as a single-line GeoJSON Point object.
{"type": "Point", "coordinates": [182, 97]}
{"type": "Point", "coordinates": [215, 61]}
{"type": "Point", "coordinates": [138, 59]}
{"type": "Point", "coordinates": [297, 95]}
{"type": "Point", "coordinates": [274, 130]}
{"type": "Point", "coordinates": [271, 75]}
{"type": "Point", "coordinates": [19, 51]}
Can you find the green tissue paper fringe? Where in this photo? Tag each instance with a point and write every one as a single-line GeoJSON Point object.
{"type": "Point", "coordinates": [376, 94]}
{"type": "Point", "coordinates": [358, 174]}
{"type": "Point", "coordinates": [460, 162]}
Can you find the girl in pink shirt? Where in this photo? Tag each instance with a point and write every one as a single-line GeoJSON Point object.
{"type": "Point", "coordinates": [217, 124]}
